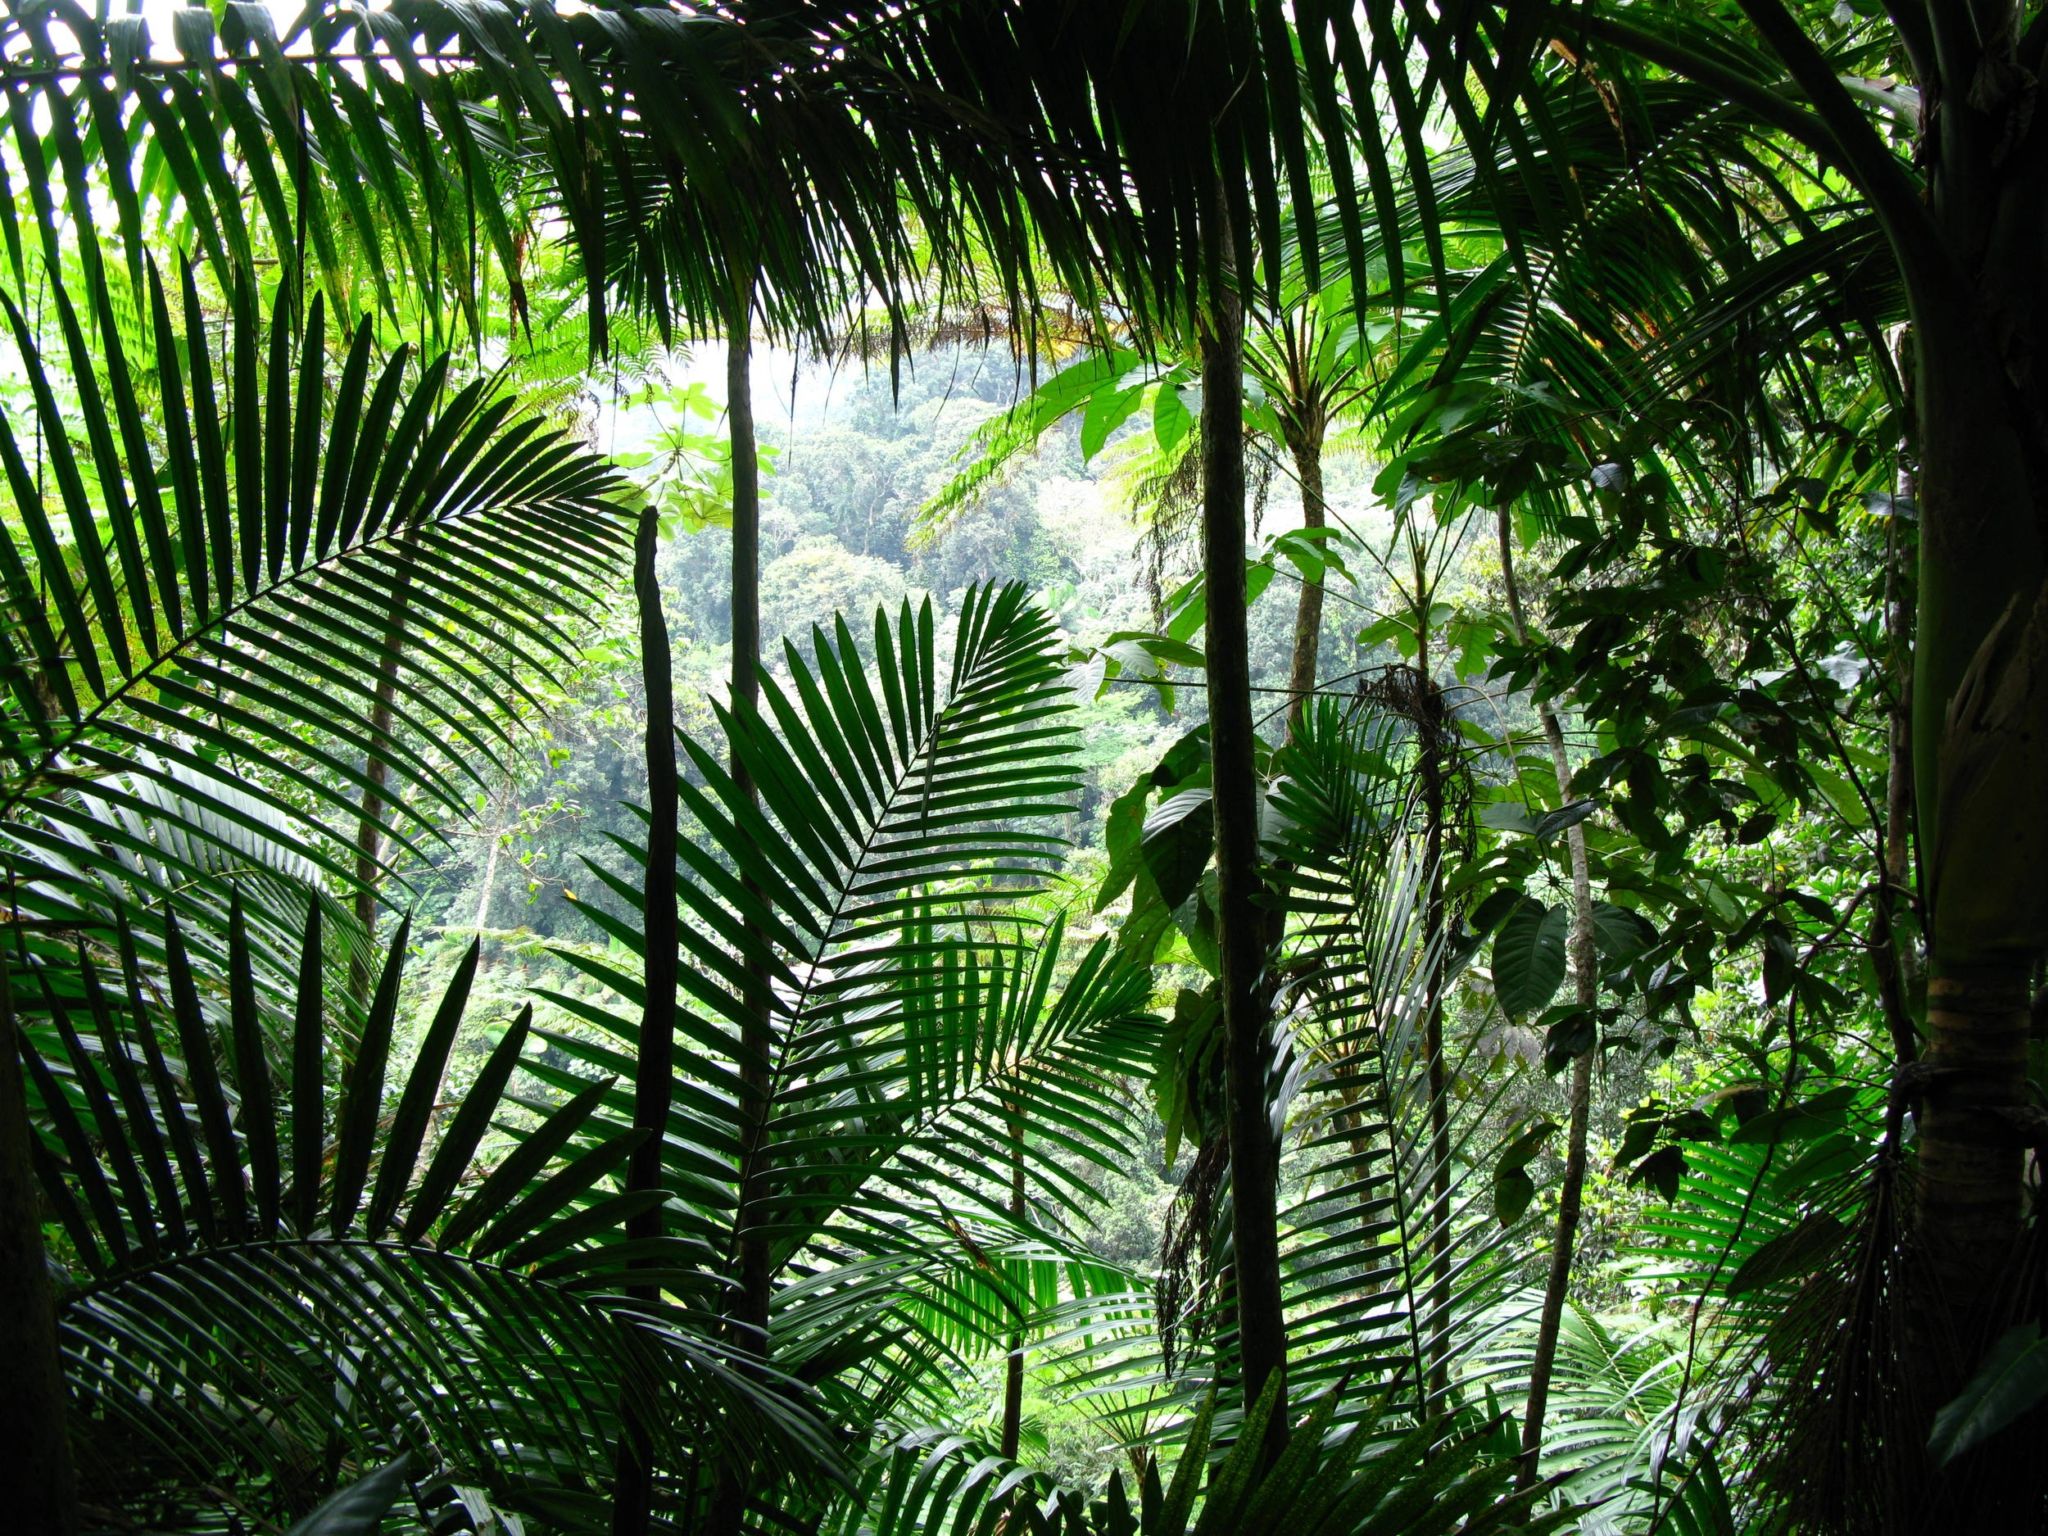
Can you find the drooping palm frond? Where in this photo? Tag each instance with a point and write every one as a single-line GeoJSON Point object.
{"type": "Point", "coordinates": [209, 595]}
{"type": "Point", "coordinates": [383, 184]}
{"type": "Point", "coordinates": [1646, 276]}
{"type": "Point", "coordinates": [271, 1278]}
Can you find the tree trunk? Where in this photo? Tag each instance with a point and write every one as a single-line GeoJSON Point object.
{"type": "Point", "coordinates": [35, 1449]}
{"type": "Point", "coordinates": [369, 820]}
{"type": "Point", "coordinates": [1254, 1160]}
{"type": "Point", "coordinates": [1972, 249]}
{"type": "Point", "coordinates": [655, 1063]}
{"type": "Point", "coordinates": [749, 1318]}
{"type": "Point", "coordinates": [1896, 878]}
{"type": "Point", "coordinates": [1308, 608]}
{"type": "Point", "coordinates": [1980, 695]}
{"type": "Point", "coordinates": [1586, 993]}
{"type": "Point", "coordinates": [428, 1144]}
{"type": "Point", "coordinates": [1428, 730]}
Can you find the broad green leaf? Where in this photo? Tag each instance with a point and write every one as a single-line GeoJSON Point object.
{"type": "Point", "coordinates": [1178, 838]}
{"type": "Point", "coordinates": [1529, 958]}
{"type": "Point", "coordinates": [2011, 1382]}
{"type": "Point", "coordinates": [1620, 933]}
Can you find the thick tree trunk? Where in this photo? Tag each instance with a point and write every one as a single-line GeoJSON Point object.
{"type": "Point", "coordinates": [655, 1064]}
{"type": "Point", "coordinates": [1579, 1109]}
{"type": "Point", "coordinates": [749, 1317]}
{"type": "Point", "coordinates": [1971, 1159]}
{"type": "Point", "coordinates": [1254, 1159]}
{"type": "Point", "coordinates": [35, 1450]}
{"type": "Point", "coordinates": [1972, 248]}
{"type": "Point", "coordinates": [1980, 694]}
{"type": "Point", "coordinates": [1308, 608]}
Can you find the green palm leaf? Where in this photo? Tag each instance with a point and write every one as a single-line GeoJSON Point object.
{"type": "Point", "coordinates": [925, 1032]}
{"type": "Point", "coordinates": [188, 691]}
{"type": "Point", "coordinates": [1387, 1276]}
{"type": "Point", "coordinates": [237, 1317]}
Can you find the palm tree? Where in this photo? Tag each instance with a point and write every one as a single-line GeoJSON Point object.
{"type": "Point", "coordinates": [1930, 234]}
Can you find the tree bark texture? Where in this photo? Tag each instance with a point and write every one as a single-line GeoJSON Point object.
{"type": "Point", "coordinates": [1254, 1156]}
{"type": "Point", "coordinates": [1308, 608]}
{"type": "Point", "coordinates": [1584, 953]}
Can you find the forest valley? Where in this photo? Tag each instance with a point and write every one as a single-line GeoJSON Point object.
{"type": "Point", "coordinates": [991, 766]}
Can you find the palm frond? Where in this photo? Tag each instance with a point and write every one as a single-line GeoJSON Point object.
{"type": "Point", "coordinates": [269, 1280]}
{"type": "Point", "coordinates": [188, 683]}
{"type": "Point", "coordinates": [1388, 1274]}
{"type": "Point", "coordinates": [1369, 1481]}
{"type": "Point", "coordinates": [381, 185]}
{"type": "Point", "coordinates": [931, 1041]}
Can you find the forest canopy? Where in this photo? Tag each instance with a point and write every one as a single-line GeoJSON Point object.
{"type": "Point", "coordinates": [1189, 767]}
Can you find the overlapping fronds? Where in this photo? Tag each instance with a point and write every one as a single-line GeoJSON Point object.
{"type": "Point", "coordinates": [1371, 1481]}
{"type": "Point", "coordinates": [1395, 1264]}
{"type": "Point", "coordinates": [939, 1064]}
{"type": "Point", "coordinates": [360, 169]}
{"type": "Point", "coordinates": [272, 1277]}
{"type": "Point", "coordinates": [237, 581]}
{"type": "Point", "coordinates": [1613, 1392]}
{"type": "Point", "coordinates": [1645, 253]}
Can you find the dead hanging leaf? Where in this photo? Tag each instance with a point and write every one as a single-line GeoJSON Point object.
{"type": "Point", "coordinates": [1988, 874]}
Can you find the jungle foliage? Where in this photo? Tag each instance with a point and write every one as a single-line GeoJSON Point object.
{"type": "Point", "coordinates": [1495, 993]}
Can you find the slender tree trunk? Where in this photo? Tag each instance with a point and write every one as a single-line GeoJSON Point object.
{"type": "Point", "coordinates": [749, 1317]}
{"type": "Point", "coordinates": [655, 1065]}
{"type": "Point", "coordinates": [483, 900]}
{"type": "Point", "coordinates": [1308, 608]}
{"type": "Point", "coordinates": [1579, 1110]}
{"type": "Point", "coordinates": [428, 1144]}
{"type": "Point", "coordinates": [1254, 1159]}
{"type": "Point", "coordinates": [1428, 730]}
{"type": "Point", "coordinates": [35, 1449]}
{"type": "Point", "coordinates": [374, 798]}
